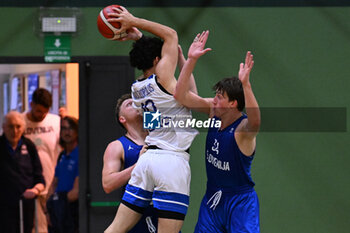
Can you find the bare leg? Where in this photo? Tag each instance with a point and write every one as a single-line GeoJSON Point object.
{"type": "Point", "coordinates": [124, 220]}
{"type": "Point", "coordinates": [166, 225]}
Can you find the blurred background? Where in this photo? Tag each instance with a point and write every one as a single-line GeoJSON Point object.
{"type": "Point", "coordinates": [301, 51]}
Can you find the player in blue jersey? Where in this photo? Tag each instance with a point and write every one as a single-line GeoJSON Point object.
{"type": "Point", "coordinates": [230, 203]}
{"type": "Point", "coordinates": [121, 156]}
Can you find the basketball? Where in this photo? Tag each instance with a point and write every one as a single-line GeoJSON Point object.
{"type": "Point", "coordinates": [107, 29]}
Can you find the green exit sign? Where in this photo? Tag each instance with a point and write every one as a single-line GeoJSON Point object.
{"type": "Point", "coordinates": [57, 49]}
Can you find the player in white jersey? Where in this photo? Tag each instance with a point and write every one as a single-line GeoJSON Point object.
{"type": "Point", "coordinates": [149, 95]}
{"type": "Point", "coordinates": [162, 174]}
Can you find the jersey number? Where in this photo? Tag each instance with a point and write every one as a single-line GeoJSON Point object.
{"type": "Point", "coordinates": [148, 105]}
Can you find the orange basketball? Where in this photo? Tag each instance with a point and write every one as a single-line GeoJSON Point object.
{"type": "Point", "coordinates": [107, 29]}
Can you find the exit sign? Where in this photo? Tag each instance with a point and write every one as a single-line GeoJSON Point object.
{"type": "Point", "coordinates": [57, 48]}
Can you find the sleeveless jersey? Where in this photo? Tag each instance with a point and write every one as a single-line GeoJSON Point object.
{"type": "Point", "coordinates": [149, 219]}
{"type": "Point", "coordinates": [227, 167]}
{"type": "Point", "coordinates": [150, 96]}
{"type": "Point", "coordinates": [131, 151]}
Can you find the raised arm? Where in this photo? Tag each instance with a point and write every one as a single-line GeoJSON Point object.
{"type": "Point", "coordinates": [113, 177]}
{"type": "Point", "coordinates": [252, 125]}
{"type": "Point", "coordinates": [166, 66]}
{"type": "Point", "coordinates": [182, 92]}
{"type": "Point", "coordinates": [180, 64]}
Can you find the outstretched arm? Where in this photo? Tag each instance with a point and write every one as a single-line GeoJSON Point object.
{"type": "Point", "coordinates": [166, 66]}
{"type": "Point", "coordinates": [182, 91]}
{"type": "Point", "coordinates": [180, 63]}
{"type": "Point", "coordinates": [112, 176]}
{"type": "Point", "coordinates": [252, 125]}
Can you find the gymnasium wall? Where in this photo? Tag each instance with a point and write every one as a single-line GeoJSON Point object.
{"type": "Point", "coordinates": [301, 60]}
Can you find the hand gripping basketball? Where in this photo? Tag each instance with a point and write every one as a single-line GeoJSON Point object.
{"type": "Point", "coordinates": [111, 30]}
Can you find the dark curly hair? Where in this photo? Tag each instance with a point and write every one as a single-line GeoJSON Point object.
{"type": "Point", "coordinates": [234, 90]}
{"type": "Point", "coordinates": [144, 51]}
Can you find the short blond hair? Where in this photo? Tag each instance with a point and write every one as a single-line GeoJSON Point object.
{"type": "Point", "coordinates": [119, 104]}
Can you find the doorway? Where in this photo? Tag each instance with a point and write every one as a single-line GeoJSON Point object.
{"type": "Point", "coordinates": [101, 81]}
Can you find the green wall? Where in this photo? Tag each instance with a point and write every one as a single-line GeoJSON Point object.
{"type": "Point", "coordinates": [301, 60]}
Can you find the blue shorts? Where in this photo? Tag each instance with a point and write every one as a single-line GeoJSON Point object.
{"type": "Point", "coordinates": [148, 222]}
{"type": "Point", "coordinates": [222, 212]}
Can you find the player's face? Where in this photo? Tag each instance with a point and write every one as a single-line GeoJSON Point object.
{"type": "Point", "coordinates": [38, 112]}
{"type": "Point", "coordinates": [221, 103]}
{"type": "Point", "coordinates": [68, 134]}
{"type": "Point", "coordinates": [128, 111]}
{"type": "Point", "coordinates": [13, 129]}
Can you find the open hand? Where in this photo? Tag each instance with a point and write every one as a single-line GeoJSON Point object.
{"type": "Point", "coordinates": [197, 47]}
{"type": "Point", "coordinates": [245, 68]}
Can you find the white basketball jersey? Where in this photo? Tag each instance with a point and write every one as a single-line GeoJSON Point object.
{"type": "Point", "coordinates": [173, 135]}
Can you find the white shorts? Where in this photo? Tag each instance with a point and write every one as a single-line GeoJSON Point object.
{"type": "Point", "coordinates": [161, 176]}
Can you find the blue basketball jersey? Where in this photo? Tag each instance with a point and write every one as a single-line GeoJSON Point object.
{"type": "Point", "coordinates": [149, 219]}
{"type": "Point", "coordinates": [230, 204]}
{"type": "Point", "coordinates": [227, 167]}
{"type": "Point", "coordinates": [131, 151]}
